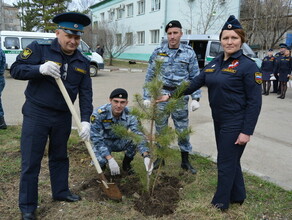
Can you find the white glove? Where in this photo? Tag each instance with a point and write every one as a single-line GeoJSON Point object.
{"type": "Point", "coordinates": [50, 69]}
{"type": "Point", "coordinates": [114, 167]}
{"type": "Point", "coordinates": [85, 131]}
{"type": "Point", "coordinates": [147, 165]}
{"type": "Point", "coordinates": [195, 105]}
{"type": "Point", "coordinates": [147, 103]}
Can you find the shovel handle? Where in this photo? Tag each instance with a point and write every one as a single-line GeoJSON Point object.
{"type": "Point", "coordinates": [78, 123]}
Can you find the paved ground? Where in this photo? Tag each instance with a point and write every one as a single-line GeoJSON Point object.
{"type": "Point", "coordinates": [268, 155]}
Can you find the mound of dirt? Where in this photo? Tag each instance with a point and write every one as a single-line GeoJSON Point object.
{"type": "Point", "coordinates": [163, 200]}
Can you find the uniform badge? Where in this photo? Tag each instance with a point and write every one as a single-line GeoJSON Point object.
{"type": "Point", "coordinates": [80, 70]}
{"type": "Point", "coordinates": [234, 64]}
{"type": "Point", "coordinates": [258, 77]}
{"type": "Point", "coordinates": [229, 70]}
{"type": "Point", "coordinates": [99, 110]}
{"type": "Point", "coordinates": [107, 121]}
{"type": "Point", "coordinates": [26, 53]}
{"type": "Point", "coordinates": [209, 70]}
{"type": "Point", "coordinates": [92, 118]}
{"type": "Point", "coordinates": [162, 54]}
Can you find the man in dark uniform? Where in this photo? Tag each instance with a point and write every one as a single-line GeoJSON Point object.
{"type": "Point", "coordinates": [2, 85]}
{"type": "Point", "coordinates": [279, 55]}
{"type": "Point", "coordinates": [45, 113]}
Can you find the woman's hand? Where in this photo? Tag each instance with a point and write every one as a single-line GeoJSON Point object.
{"type": "Point", "coordinates": [242, 139]}
{"type": "Point", "coordinates": [163, 98]}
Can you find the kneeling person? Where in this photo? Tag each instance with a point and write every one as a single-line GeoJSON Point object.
{"type": "Point", "coordinates": [105, 141]}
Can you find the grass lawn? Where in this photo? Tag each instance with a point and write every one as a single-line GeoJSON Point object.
{"type": "Point", "coordinates": [125, 64]}
{"type": "Point", "coordinates": [264, 200]}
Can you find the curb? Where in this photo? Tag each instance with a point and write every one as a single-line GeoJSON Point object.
{"type": "Point", "coordinates": [122, 69]}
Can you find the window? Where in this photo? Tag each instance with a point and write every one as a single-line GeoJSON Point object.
{"type": "Point", "coordinates": [27, 41]}
{"type": "Point", "coordinates": [141, 7]}
{"type": "Point", "coordinates": [120, 13]}
{"type": "Point", "coordinates": [83, 47]}
{"type": "Point", "coordinates": [119, 39]}
{"type": "Point", "coordinates": [155, 5]}
{"type": "Point", "coordinates": [102, 16]}
{"type": "Point", "coordinates": [130, 10]}
{"type": "Point", "coordinates": [215, 48]}
{"type": "Point", "coordinates": [141, 37]}
{"type": "Point", "coordinates": [111, 14]}
{"type": "Point", "coordinates": [154, 36]}
{"type": "Point", "coordinates": [129, 37]}
{"type": "Point", "coordinates": [11, 43]}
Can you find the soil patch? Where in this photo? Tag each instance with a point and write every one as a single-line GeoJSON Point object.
{"type": "Point", "coordinates": [163, 201]}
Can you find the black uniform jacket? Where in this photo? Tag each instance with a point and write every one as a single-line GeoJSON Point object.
{"type": "Point", "coordinates": [43, 90]}
{"type": "Point", "coordinates": [234, 89]}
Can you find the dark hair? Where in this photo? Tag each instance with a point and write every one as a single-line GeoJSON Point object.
{"type": "Point", "coordinates": [240, 33]}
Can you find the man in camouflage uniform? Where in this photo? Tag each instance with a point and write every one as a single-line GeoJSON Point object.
{"type": "Point", "coordinates": [179, 64]}
{"type": "Point", "coordinates": [105, 141]}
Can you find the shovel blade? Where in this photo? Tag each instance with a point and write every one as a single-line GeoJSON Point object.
{"type": "Point", "coordinates": [112, 191]}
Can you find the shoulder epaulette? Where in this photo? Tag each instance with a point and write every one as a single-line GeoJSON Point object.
{"type": "Point", "coordinates": [248, 57]}
{"type": "Point", "coordinates": [101, 110]}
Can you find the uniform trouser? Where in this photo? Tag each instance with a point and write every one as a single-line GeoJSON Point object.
{"type": "Point", "coordinates": [2, 85]}
{"type": "Point", "coordinates": [230, 186]}
{"type": "Point", "coordinates": [180, 119]}
{"type": "Point", "coordinates": [39, 124]}
{"type": "Point", "coordinates": [276, 83]}
{"type": "Point", "coordinates": [117, 145]}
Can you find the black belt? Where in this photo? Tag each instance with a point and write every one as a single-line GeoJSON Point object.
{"type": "Point", "coordinates": [169, 88]}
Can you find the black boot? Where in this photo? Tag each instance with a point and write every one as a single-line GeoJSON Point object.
{"type": "Point", "coordinates": [185, 164]}
{"type": "Point", "coordinates": [2, 123]}
{"type": "Point", "coordinates": [127, 165]}
{"type": "Point", "coordinates": [264, 88]}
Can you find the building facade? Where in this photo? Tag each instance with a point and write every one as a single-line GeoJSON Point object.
{"type": "Point", "coordinates": [8, 19]}
{"type": "Point", "coordinates": [145, 20]}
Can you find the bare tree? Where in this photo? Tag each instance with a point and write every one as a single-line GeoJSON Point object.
{"type": "Point", "coordinates": [190, 14]}
{"type": "Point", "coordinates": [83, 5]}
{"type": "Point", "coordinates": [210, 12]}
{"type": "Point", "coordinates": [266, 21]}
{"type": "Point", "coordinates": [114, 40]}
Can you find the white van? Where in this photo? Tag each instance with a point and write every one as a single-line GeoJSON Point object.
{"type": "Point", "coordinates": [207, 47]}
{"type": "Point", "coordinates": [13, 42]}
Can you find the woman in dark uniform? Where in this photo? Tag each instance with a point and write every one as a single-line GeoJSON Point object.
{"type": "Point", "coordinates": [283, 69]}
{"type": "Point", "coordinates": [234, 89]}
{"type": "Point", "coordinates": [267, 69]}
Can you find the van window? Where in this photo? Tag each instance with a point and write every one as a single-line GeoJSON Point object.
{"type": "Point", "coordinates": [83, 47]}
{"type": "Point", "coordinates": [11, 43]}
{"type": "Point", "coordinates": [248, 51]}
{"type": "Point", "coordinates": [26, 41]}
{"type": "Point", "coordinates": [215, 49]}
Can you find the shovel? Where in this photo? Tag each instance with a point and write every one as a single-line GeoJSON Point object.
{"type": "Point", "coordinates": [110, 189]}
